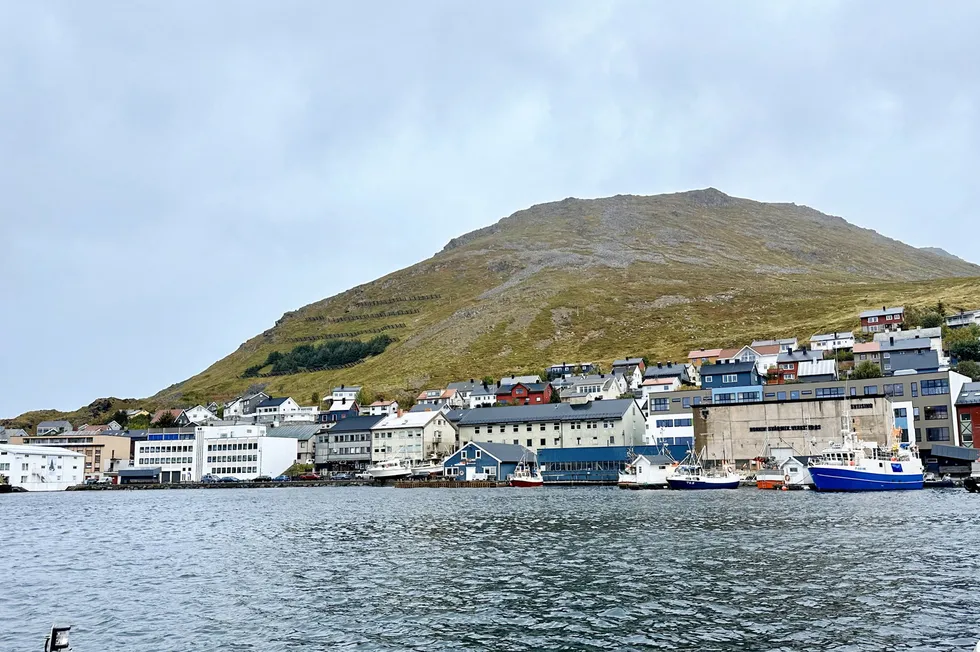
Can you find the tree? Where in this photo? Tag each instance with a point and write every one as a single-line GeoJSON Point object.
{"type": "Point", "coordinates": [940, 308]}
{"type": "Point", "coordinates": [315, 398]}
{"type": "Point", "coordinates": [140, 422]}
{"type": "Point", "coordinates": [166, 420]}
{"type": "Point", "coordinates": [966, 350]}
{"type": "Point", "coordinates": [969, 368]}
{"type": "Point", "coordinates": [120, 417]}
{"type": "Point", "coordinates": [866, 369]}
{"type": "Point", "coordinates": [221, 411]}
{"type": "Point", "coordinates": [555, 396]}
{"type": "Point", "coordinates": [931, 320]}
{"type": "Point", "coordinates": [488, 380]}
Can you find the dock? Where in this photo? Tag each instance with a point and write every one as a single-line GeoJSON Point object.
{"type": "Point", "coordinates": [449, 484]}
{"type": "Point", "coordinates": [219, 485]}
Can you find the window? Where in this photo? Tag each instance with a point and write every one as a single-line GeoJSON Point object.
{"type": "Point", "coordinates": [936, 412]}
{"type": "Point", "coordinates": [966, 427]}
{"type": "Point", "coordinates": [679, 423]}
{"type": "Point", "coordinates": [661, 404]}
{"type": "Point", "coordinates": [828, 392]}
{"type": "Point", "coordinates": [515, 443]}
{"type": "Point", "coordinates": [541, 427]}
{"type": "Point", "coordinates": [870, 390]}
{"type": "Point", "coordinates": [665, 423]}
{"type": "Point", "coordinates": [894, 390]}
{"type": "Point", "coordinates": [708, 379]}
{"type": "Point", "coordinates": [789, 376]}
{"type": "Point", "coordinates": [515, 427]}
{"type": "Point", "coordinates": [542, 442]}
{"type": "Point", "coordinates": [935, 387]}
{"type": "Point", "coordinates": [780, 396]}
{"type": "Point", "coordinates": [462, 453]}
{"type": "Point", "coordinates": [787, 366]}
{"type": "Point", "coordinates": [686, 402]}
{"type": "Point", "coordinates": [729, 378]}
{"type": "Point", "coordinates": [872, 320]}
{"type": "Point", "coordinates": [915, 413]}
{"type": "Point", "coordinates": [918, 434]}
{"type": "Point", "coordinates": [557, 441]}
{"type": "Point", "coordinates": [794, 395]}
{"type": "Point", "coordinates": [476, 430]}
{"type": "Point", "coordinates": [937, 434]}
{"type": "Point", "coordinates": [477, 454]}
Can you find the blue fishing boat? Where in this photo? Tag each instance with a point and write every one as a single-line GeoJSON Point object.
{"type": "Point", "coordinates": [855, 465]}
{"type": "Point", "coordinates": [691, 474]}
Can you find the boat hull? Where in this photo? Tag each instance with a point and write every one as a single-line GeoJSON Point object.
{"type": "Point", "coordinates": [838, 478]}
{"type": "Point", "coordinates": [972, 485]}
{"type": "Point", "coordinates": [390, 474]}
{"type": "Point", "coordinates": [769, 484]}
{"type": "Point", "coordinates": [703, 483]}
{"type": "Point", "coordinates": [526, 483]}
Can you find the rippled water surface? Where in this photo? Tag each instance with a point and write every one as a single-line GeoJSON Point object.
{"type": "Point", "coordinates": [498, 569]}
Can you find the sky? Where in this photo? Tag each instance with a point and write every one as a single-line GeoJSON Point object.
{"type": "Point", "coordinates": [174, 176]}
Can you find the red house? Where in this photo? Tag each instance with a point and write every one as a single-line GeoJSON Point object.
{"type": "Point", "coordinates": [968, 412]}
{"type": "Point", "coordinates": [879, 321]}
{"type": "Point", "coordinates": [524, 393]}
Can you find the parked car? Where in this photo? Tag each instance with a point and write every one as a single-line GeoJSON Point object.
{"type": "Point", "coordinates": [262, 478]}
{"type": "Point", "coordinates": [208, 478]}
{"type": "Point", "coordinates": [281, 478]}
{"type": "Point", "coordinates": [342, 476]}
{"type": "Point", "coordinates": [91, 481]}
{"type": "Point", "coordinates": [364, 475]}
{"type": "Point", "coordinates": [308, 476]}
{"type": "Point", "coordinates": [229, 478]}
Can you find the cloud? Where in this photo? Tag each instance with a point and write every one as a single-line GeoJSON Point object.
{"type": "Point", "coordinates": [178, 175]}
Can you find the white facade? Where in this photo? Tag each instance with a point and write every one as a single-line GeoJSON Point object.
{"type": "Point", "coordinates": [963, 319]}
{"type": "Point", "coordinates": [287, 410]}
{"type": "Point", "coordinates": [41, 468]}
{"type": "Point", "coordinates": [177, 455]}
{"type": "Point", "coordinates": [416, 436]}
{"type": "Point", "coordinates": [342, 392]}
{"type": "Point", "coordinates": [665, 428]}
{"type": "Point", "coordinates": [199, 414]}
{"type": "Point", "coordinates": [244, 452]}
{"type": "Point", "coordinates": [763, 361]}
{"type": "Point", "coordinates": [382, 408]}
{"type": "Point", "coordinates": [483, 397]}
{"type": "Point", "coordinates": [659, 385]}
{"type": "Point", "coordinates": [832, 341]}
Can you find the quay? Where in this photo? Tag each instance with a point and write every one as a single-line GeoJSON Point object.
{"type": "Point", "coordinates": [219, 485]}
{"type": "Point", "coordinates": [449, 484]}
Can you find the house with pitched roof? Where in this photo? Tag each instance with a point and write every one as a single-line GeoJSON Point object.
{"type": "Point", "coordinates": [438, 397]}
{"type": "Point", "coordinates": [413, 436]}
{"type": "Point", "coordinates": [787, 368]}
{"type": "Point", "coordinates": [382, 408]}
{"type": "Point", "coordinates": [703, 356]}
{"type": "Point", "coordinates": [730, 375]}
{"type": "Point", "coordinates": [886, 319]}
{"type": "Point", "coordinates": [764, 356]}
{"type": "Point", "coordinates": [836, 341]}
{"type": "Point", "coordinates": [244, 405]}
{"type": "Point", "coordinates": [583, 389]}
{"type": "Point", "coordinates": [785, 345]}
{"type": "Point", "coordinates": [347, 445]}
{"type": "Point", "coordinates": [685, 373]}
{"type": "Point", "coordinates": [52, 427]}
{"type": "Point", "coordinates": [524, 393]}
{"type": "Point", "coordinates": [968, 413]}
{"type": "Point", "coordinates": [480, 460]}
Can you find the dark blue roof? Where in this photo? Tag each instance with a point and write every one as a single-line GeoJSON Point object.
{"type": "Point", "coordinates": [726, 368]}
{"type": "Point", "coordinates": [356, 424]}
{"type": "Point", "coordinates": [273, 402]}
{"type": "Point", "coordinates": [664, 370]}
{"type": "Point", "coordinates": [150, 472]}
{"type": "Point", "coordinates": [505, 452]}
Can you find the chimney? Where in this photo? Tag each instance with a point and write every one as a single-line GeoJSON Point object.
{"type": "Point", "coordinates": [884, 307]}
{"type": "Point", "coordinates": [660, 365]}
{"type": "Point", "coordinates": [471, 381]}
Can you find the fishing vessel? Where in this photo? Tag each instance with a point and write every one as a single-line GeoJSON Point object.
{"type": "Point", "coordinates": [691, 474]}
{"type": "Point", "coordinates": [526, 475]}
{"type": "Point", "coordinates": [647, 471]}
{"type": "Point", "coordinates": [856, 465]}
{"type": "Point", "coordinates": [427, 468]}
{"type": "Point", "coordinates": [390, 470]}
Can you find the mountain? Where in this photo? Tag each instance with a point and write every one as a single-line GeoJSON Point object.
{"type": "Point", "coordinates": [592, 280]}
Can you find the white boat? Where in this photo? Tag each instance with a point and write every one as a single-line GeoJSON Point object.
{"type": "Point", "coordinates": [390, 470]}
{"type": "Point", "coordinates": [856, 465]}
{"type": "Point", "coordinates": [427, 468]}
{"type": "Point", "coordinates": [526, 475]}
{"type": "Point", "coordinates": [691, 474]}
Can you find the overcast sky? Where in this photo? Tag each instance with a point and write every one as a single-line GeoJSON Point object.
{"type": "Point", "coordinates": [176, 175]}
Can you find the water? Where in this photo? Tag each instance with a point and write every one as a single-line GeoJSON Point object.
{"type": "Point", "coordinates": [499, 569]}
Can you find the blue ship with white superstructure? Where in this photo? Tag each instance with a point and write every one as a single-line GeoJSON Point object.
{"type": "Point", "coordinates": [855, 465]}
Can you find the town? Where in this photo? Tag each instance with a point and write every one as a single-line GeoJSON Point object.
{"type": "Point", "coordinates": [577, 422]}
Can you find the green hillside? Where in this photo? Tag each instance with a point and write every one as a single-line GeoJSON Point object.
{"type": "Point", "coordinates": [578, 280]}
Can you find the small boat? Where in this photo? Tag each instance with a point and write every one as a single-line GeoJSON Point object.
{"type": "Point", "coordinates": [770, 477]}
{"type": "Point", "coordinates": [691, 474]}
{"type": "Point", "coordinates": [427, 469]}
{"type": "Point", "coordinates": [526, 475]}
{"type": "Point", "coordinates": [390, 470]}
{"type": "Point", "coordinates": [932, 481]}
{"type": "Point", "coordinates": [856, 465]}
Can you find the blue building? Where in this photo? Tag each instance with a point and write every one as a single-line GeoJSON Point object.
{"type": "Point", "coordinates": [594, 465]}
{"type": "Point", "coordinates": [743, 394]}
{"type": "Point", "coordinates": [485, 461]}
{"type": "Point", "coordinates": [730, 374]}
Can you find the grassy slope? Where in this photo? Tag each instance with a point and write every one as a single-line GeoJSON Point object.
{"type": "Point", "coordinates": [599, 279]}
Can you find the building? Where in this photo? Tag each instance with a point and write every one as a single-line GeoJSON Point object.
{"type": "Point", "coordinates": [52, 427]}
{"type": "Point", "coordinates": [785, 345]}
{"type": "Point", "coordinates": [95, 429]}
{"type": "Point", "coordinates": [143, 475]}
{"type": "Point", "coordinates": [567, 369]}
{"type": "Point", "coordinates": [658, 386]}
{"type": "Point", "coordinates": [526, 379]}
{"type": "Point", "coordinates": [886, 319]}
{"type": "Point", "coordinates": [616, 422]}
{"type": "Point", "coordinates": [584, 389]}
{"type": "Point", "coordinates": [685, 373]}
{"type": "Point", "coordinates": [343, 392]}
{"type": "Point", "coordinates": [244, 405]}
{"type": "Point", "coordinates": [305, 436]}
{"type": "Point", "coordinates": [703, 356]}
{"type": "Point", "coordinates": [7, 433]}
{"type": "Point", "coordinates": [867, 352]}
{"type": "Point", "coordinates": [968, 412]}
{"type": "Point", "coordinates": [486, 461]}
{"type": "Point", "coordinates": [382, 408]}
{"type": "Point", "coordinates": [41, 468]}
{"type": "Point", "coordinates": [600, 465]}
{"type": "Point", "coordinates": [416, 436]}
{"type": "Point", "coordinates": [764, 356]}
{"type": "Point", "coordinates": [915, 339]}
{"type": "Point", "coordinates": [438, 397]}
{"type": "Point", "coordinates": [103, 453]}
{"type": "Point", "coordinates": [631, 369]}
{"type": "Point", "coordinates": [159, 414]}
{"type": "Point", "coordinates": [243, 451]}
{"type": "Point", "coordinates": [276, 409]}
{"type": "Point", "coordinates": [744, 431]}
{"type": "Point", "coordinates": [347, 445]}
{"type": "Point", "coordinates": [788, 365]}
{"type": "Point", "coordinates": [730, 375]}
{"type": "Point", "coordinates": [338, 411]}
{"type": "Point", "coordinates": [524, 393]}
{"type": "Point", "coordinates": [175, 455]}
{"type": "Point", "coordinates": [817, 371]}
{"type": "Point", "coordinates": [965, 318]}
{"type": "Point", "coordinates": [196, 416]}
{"type": "Point", "coordinates": [832, 341]}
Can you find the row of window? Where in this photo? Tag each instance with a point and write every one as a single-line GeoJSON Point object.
{"type": "Point", "coordinates": [351, 450]}
{"type": "Point", "coordinates": [342, 438]}
{"type": "Point", "coordinates": [220, 459]}
{"type": "Point", "coordinates": [674, 423]}
{"type": "Point", "coordinates": [166, 449]}
{"type": "Point", "coordinates": [246, 446]}
{"type": "Point", "coordinates": [143, 461]}
{"type": "Point", "coordinates": [234, 469]}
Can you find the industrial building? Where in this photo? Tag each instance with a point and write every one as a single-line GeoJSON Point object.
{"type": "Point", "coordinates": [41, 468]}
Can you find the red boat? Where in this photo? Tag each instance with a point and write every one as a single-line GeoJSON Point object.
{"type": "Point", "coordinates": [525, 476]}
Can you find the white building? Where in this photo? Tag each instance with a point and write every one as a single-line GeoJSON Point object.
{"type": "Point", "coordinates": [416, 436]}
{"type": "Point", "coordinates": [41, 468]}
{"type": "Point", "coordinates": [934, 335]}
{"type": "Point", "coordinates": [964, 318]}
{"type": "Point", "coordinates": [177, 454]}
{"type": "Point", "coordinates": [244, 405]}
{"type": "Point", "coordinates": [284, 409]}
{"type": "Point", "coordinates": [343, 392]}
{"type": "Point", "coordinates": [785, 345]}
{"type": "Point", "coordinates": [657, 385]}
{"type": "Point", "coordinates": [483, 396]}
{"type": "Point", "coordinates": [198, 414]}
{"type": "Point", "coordinates": [244, 452]}
{"type": "Point", "coordinates": [583, 389]}
{"type": "Point", "coordinates": [382, 408]}
{"type": "Point", "coordinates": [832, 341]}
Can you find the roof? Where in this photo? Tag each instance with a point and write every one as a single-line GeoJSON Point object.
{"type": "Point", "coordinates": [867, 347]}
{"type": "Point", "coordinates": [660, 381]}
{"type": "Point", "coordinates": [726, 368]}
{"type": "Point", "coordinates": [350, 388]}
{"type": "Point", "coordinates": [428, 407]}
{"type": "Point", "coordinates": [23, 449]}
{"type": "Point", "coordinates": [827, 337]}
{"type": "Point", "coordinates": [273, 402]}
{"type": "Point", "coordinates": [159, 413]}
{"type": "Point", "coordinates": [704, 353]}
{"type": "Point", "coordinates": [799, 356]}
{"type": "Point", "coordinates": [907, 345]}
{"type": "Point", "coordinates": [407, 420]}
{"type": "Point", "coordinates": [301, 431]}
{"type": "Point", "coordinates": [918, 360]}
{"type": "Point", "coordinates": [881, 313]}
{"type": "Point", "coordinates": [453, 416]}
{"type": "Point", "coordinates": [729, 353]}
{"type": "Point", "coordinates": [611, 409]}
{"type": "Point", "coordinates": [356, 424]}
{"type": "Point", "coordinates": [765, 349]}
{"type": "Point", "coordinates": [54, 424]}
{"type": "Point", "coordinates": [382, 403]}
{"type": "Point", "coordinates": [93, 428]}
{"type": "Point", "coordinates": [665, 370]}
{"type": "Point", "coordinates": [909, 334]}
{"type": "Point", "coordinates": [654, 458]}
{"type": "Point", "coordinates": [513, 380]}
{"type": "Point", "coordinates": [628, 362]}
{"type": "Point", "coordinates": [954, 452]}
{"type": "Point", "coordinates": [531, 387]}
{"type": "Point", "coordinates": [505, 452]}
{"type": "Point", "coordinates": [342, 406]}
{"type": "Point", "coordinates": [969, 394]}
{"type": "Point", "coordinates": [817, 368]}
{"type": "Point", "coordinates": [141, 472]}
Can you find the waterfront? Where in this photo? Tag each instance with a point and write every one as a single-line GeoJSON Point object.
{"type": "Point", "coordinates": [557, 568]}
